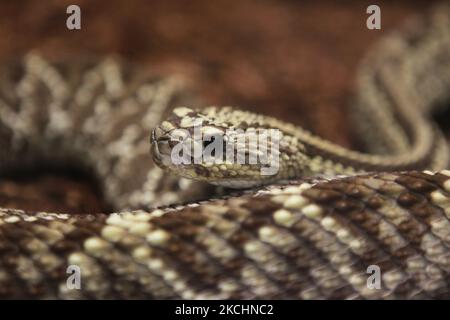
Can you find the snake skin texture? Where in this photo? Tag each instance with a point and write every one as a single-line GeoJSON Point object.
{"type": "Point", "coordinates": [172, 238]}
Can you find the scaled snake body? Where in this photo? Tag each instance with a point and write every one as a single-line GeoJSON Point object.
{"type": "Point", "coordinates": [312, 236]}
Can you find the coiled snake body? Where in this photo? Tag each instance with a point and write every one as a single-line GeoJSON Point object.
{"type": "Point", "coordinates": [313, 236]}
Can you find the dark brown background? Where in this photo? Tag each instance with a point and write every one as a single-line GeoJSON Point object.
{"type": "Point", "coordinates": [292, 59]}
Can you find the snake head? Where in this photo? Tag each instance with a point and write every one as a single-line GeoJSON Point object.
{"type": "Point", "coordinates": [219, 146]}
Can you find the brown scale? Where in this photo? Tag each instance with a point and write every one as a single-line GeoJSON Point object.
{"type": "Point", "coordinates": [260, 206]}
{"type": "Point", "coordinates": [390, 189]}
{"type": "Point", "coordinates": [183, 246]}
{"type": "Point", "coordinates": [385, 244]}
{"type": "Point", "coordinates": [436, 179]}
{"type": "Point", "coordinates": [84, 230]}
{"type": "Point", "coordinates": [189, 255]}
{"type": "Point", "coordinates": [6, 247]}
{"type": "Point", "coordinates": [355, 191]}
{"type": "Point", "coordinates": [254, 222]}
{"type": "Point", "coordinates": [128, 242]}
{"type": "Point", "coordinates": [404, 252]}
{"type": "Point", "coordinates": [65, 247]}
{"type": "Point", "coordinates": [413, 228]}
{"type": "Point", "coordinates": [345, 206]}
{"type": "Point", "coordinates": [408, 199]}
{"type": "Point", "coordinates": [114, 270]}
{"type": "Point", "coordinates": [425, 212]}
{"type": "Point", "coordinates": [410, 249]}
{"type": "Point", "coordinates": [362, 222]}
{"type": "Point", "coordinates": [54, 272]}
{"type": "Point", "coordinates": [405, 288]}
{"type": "Point", "coordinates": [305, 228]}
{"type": "Point", "coordinates": [348, 193]}
{"type": "Point", "coordinates": [367, 223]}
{"type": "Point", "coordinates": [237, 239]}
{"type": "Point", "coordinates": [186, 256]}
{"type": "Point", "coordinates": [322, 195]}
{"type": "Point", "coordinates": [414, 184]}
{"type": "Point", "coordinates": [79, 234]}
{"type": "Point", "coordinates": [15, 234]}
{"type": "Point", "coordinates": [371, 223]}
{"type": "Point", "coordinates": [23, 288]}
{"type": "Point", "coordinates": [307, 232]}
{"type": "Point", "coordinates": [172, 221]}
{"type": "Point", "coordinates": [243, 235]}
{"type": "Point", "coordinates": [375, 202]}
{"type": "Point", "coordinates": [412, 231]}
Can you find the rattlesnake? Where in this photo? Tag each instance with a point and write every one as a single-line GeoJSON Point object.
{"type": "Point", "coordinates": [313, 236]}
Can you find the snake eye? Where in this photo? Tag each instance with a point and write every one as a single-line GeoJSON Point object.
{"type": "Point", "coordinates": [173, 143]}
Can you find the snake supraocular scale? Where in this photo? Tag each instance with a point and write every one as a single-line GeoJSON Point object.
{"type": "Point", "coordinates": [307, 238]}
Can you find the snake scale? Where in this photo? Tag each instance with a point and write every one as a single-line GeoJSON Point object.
{"type": "Point", "coordinates": [310, 237]}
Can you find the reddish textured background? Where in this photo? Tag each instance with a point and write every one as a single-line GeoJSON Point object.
{"type": "Point", "coordinates": [292, 59]}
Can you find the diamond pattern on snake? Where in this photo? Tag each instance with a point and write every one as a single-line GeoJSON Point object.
{"type": "Point", "coordinates": [310, 231]}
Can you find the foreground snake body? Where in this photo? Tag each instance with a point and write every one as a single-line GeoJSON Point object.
{"type": "Point", "coordinates": [313, 236]}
